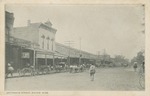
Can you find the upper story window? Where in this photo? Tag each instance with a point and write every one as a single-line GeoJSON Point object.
{"type": "Point", "coordinates": [43, 37]}
{"type": "Point", "coordinates": [48, 42]}
{"type": "Point", "coordinates": [52, 43]}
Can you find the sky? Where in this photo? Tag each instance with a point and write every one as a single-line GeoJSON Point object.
{"type": "Point", "coordinates": [117, 29]}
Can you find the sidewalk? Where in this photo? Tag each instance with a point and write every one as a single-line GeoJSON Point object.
{"type": "Point", "coordinates": [16, 75]}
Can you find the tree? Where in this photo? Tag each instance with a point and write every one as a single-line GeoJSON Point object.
{"type": "Point", "coordinates": [120, 60]}
{"type": "Point", "coordinates": [139, 58]}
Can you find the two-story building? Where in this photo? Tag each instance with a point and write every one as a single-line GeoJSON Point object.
{"type": "Point", "coordinates": [41, 34]}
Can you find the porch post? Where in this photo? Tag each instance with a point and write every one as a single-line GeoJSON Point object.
{"type": "Point", "coordinates": [20, 57]}
{"type": "Point", "coordinates": [61, 58]}
{"type": "Point", "coordinates": [53, 60]}
{"type": "Point", "coordinates": [45, 59]}
{"type": "Point", "coordinates": [34, 58]}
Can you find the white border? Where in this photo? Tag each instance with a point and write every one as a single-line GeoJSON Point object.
{"type": "Point", "coordinates": [78, 93]}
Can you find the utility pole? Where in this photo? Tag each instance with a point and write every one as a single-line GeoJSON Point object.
{"type": "Point", "coordinates": [80, 55]}
{"type": "Point", "coordinates": [98, 55]}
{"type": "Point", "coordinates": [98, 58]}
{"type": "Point", "coordinates": [69, 44]}
{"type": "Point", "coordinates": [104, 56]}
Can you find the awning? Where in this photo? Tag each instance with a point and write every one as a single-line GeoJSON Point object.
{"type": "Point", "coordinates": [58, 54]}
{"type": "Point", "coordinates": [45, 52]}
{"type": "Point", "coordinates": [22, 43]}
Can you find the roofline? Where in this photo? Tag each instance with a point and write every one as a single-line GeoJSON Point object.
{"type": "Point", "coordinates": [53, 29]}
{"type": "Point", "coordinates": [75, 49]}
{"type": "Point", "coordinates": [40, 24]}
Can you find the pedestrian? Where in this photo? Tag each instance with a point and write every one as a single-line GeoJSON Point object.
{"type": "Point", "coordinates": [92, 72]}
{"type": "Point", "coordinates": [32, 70]}
{"type": "Point", "coordinates": [135, 66]}
{"type": "Point", "coordinates": [142, 67]}
{"type": "Point", "coordinates": [10, 70]}
{"type": "Point", "coordinates": [28, 65]}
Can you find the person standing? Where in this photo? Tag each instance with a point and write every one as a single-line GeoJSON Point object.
{"type": "Point", "coordinates": [135, 66]}
{"type": "Point", "coordinates": [142, 67]}
{"type": "Point", "coordinates": [92, 72]}
{"type": "Point", "coordinates": [10, 70]}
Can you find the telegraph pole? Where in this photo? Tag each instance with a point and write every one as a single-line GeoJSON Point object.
{"type": "Point", "coordinates": [104, 56]}
{"type": "Point", "coordinates": [69, 43]}
{"type": "Point", "coordinates": [98, 61]}
{"type": "Point", "coordinates": [80, 55]}
{"type": "Point", "coordinates": [98, 55]}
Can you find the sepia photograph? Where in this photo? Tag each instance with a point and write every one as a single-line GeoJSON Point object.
{"type": "Point", "coordinates": [84, 47]}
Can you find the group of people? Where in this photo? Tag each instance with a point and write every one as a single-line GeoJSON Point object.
{"type": "Point", "coordinates": [10, 70]}
{"type": "Point", "coordinates": [92, 70]}
{"type": "Point", "coordinates": [77, 68]}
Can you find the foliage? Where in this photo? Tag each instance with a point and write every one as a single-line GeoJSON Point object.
{"type": "Point", "coordinates": [139, 58]}
{"type": "Point", "coordinates": [120, 60]}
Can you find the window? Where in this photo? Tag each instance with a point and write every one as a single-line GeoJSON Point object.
{"type": "Point", "coordinates": [48, 42]}
{"type": "Point", "coordinates": [43, 37]}
{"type": "Point", "coordinates": [52, 43]}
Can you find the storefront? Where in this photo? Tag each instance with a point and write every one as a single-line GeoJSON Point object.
{"type": "Point", "coordinates": [60, 58]}
{"type": "Point", "coordinates": [18, 52]}
{"type": "Point", "coordinates": [44, 58]}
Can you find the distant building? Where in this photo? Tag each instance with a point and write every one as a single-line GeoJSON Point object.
{"type": "Point", "coordinates": [74, 54]}
{"type": "Point", "coordinates": [104, 60]}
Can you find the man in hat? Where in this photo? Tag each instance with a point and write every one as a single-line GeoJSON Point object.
{"type": "Point", "coordinates": [92, 72]}
{"type": "Point", "coordinates": [10, 70]}
{"type": "Point", "coordinates": [135, 66]}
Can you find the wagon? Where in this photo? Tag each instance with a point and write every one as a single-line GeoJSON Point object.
{"type": "Point", "coordinates": [60, 66]}
{"type": "Point", "coordinates": [43, 69]}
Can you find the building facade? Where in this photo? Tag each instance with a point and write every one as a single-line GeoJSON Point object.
{"type": "Point", "coordinates": [76, 56]}
{"type": "Point", "coordinates": [9, 22]}
{"type": "Point", "coordinates": [41, 35]}
{"type": "Point", "coordinates": [15, 47]}
{"type": "Point", "coordinates": [49, 52]}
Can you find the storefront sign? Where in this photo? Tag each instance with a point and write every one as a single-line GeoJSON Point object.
{"type": "Point", "coordinates": [25, 55]}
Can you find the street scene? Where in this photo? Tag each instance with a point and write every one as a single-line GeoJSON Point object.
{"type": "Point", "coordinates": [105, 79]}
{"type": "Point", "coordinates": [74, 47]}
